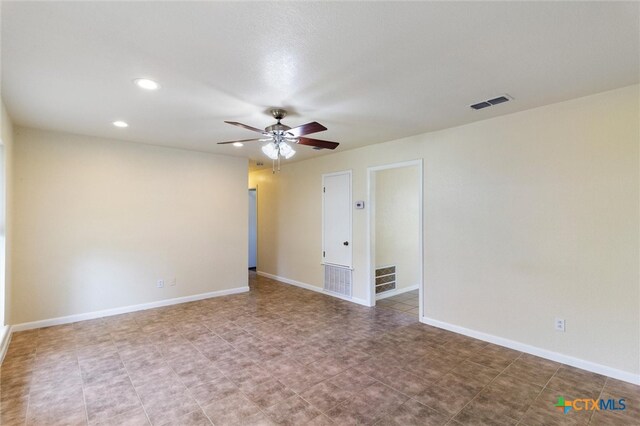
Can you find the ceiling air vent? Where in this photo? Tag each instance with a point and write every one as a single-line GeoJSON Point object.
{"type": "Point", "coordinates": [491, 102]}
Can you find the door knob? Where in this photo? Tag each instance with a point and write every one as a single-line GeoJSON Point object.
{"type": "Point", "coordinates": [346, 243]}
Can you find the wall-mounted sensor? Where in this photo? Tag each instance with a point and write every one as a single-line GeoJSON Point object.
{"type": "Point", "coordinates": [359, 204]}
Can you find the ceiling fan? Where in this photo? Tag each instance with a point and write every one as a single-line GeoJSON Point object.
{"type": "Point", "coordinates": [279, 137]}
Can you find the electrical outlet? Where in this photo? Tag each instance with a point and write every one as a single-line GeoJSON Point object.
{"type": "Point", "coordinates": [559, 324]}
{"type": "Point", "coordinates": [160, 283]}
{"type": "Point", "coordinates": [172, 282]}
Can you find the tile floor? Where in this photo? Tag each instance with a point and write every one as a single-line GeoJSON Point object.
{"type": "Point", "coordinates": [405, 302]}
{"type": "Point", "coordinates": [284, 355]}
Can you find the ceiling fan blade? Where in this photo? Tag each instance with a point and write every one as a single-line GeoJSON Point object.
{"type": "Point", "coordinates": [244, 126]}
{"type": "Point", "coordinates": [241, 140]}
{"type": "Point", "coordinates": [318, 143]}
{"type": "Point", "coordinates": [307, 129]}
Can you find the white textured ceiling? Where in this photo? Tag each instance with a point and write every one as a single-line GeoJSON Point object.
{"type": "Point", "coordinates": [370, 72]}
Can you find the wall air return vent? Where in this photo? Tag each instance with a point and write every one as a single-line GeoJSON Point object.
{"type": "Point", "coordinates": [337, 279]}
{"type": "Point", "coordinates": [491, 102]}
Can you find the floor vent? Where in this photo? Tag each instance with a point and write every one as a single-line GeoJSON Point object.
{"type": "Point", "coordinates": [385, 278]}
{"type": "Point", "coordinates": [337, 279]}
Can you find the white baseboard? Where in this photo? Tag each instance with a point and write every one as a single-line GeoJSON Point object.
{"type": "Point", "coordinates": [313, 288]}
{"type": "Point", "coordinates": [542, 353]}
{"type": "Point", "coordinates": [125, 309]}
{"type": "Point", "coordinates": [5, 339]}
{"type": "Point", "coordinates": [396, 292]}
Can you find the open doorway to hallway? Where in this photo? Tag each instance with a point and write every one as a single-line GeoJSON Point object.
{"type": "Point", "coordinates": [253, 229]}
{"type": "Point", "coordinates": [3, 254]}
{"type": "Point", "coordinates": [395, 194]}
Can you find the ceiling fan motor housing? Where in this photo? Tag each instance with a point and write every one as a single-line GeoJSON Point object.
{"type": "Point", "coordinates": [276, 127]}
{"type": "Point", "coordinates": [278, 114]}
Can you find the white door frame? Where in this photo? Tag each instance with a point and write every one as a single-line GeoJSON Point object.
{"type": "Point", "coordinates": [371, 237]}
{"type": "Point", "coordinates": [344, 172]}
{"type": "Point", "coordinates": [255, 189]}
{"type": "Point", "coordinates": [3, 246]}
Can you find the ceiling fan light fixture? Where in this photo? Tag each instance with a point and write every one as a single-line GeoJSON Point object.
{"type": "Point", "coordinates": [238, 144]}
{"type": "Point", "coordinates": [270, 150]}
{"type": "Point", "coordinates": [285, 150]}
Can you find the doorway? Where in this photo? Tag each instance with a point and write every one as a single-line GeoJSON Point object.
{"type": "Point", "coordinates": [396, 237]}
{"type": "Point", "coordinates": [253, 229]}
{"type": "Point", "coordinates": [3, 218]}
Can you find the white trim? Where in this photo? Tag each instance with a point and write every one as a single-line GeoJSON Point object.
{"type": "Point", "coordinates": [256, 191]}
{"type": "Point", "coordinates": [125, 309]}
{"type": "Point", "coordinates": [313, 288]}
{"type": "Point", "coordinates": [400, 164]}
{"type": "Point", "coordinates": [533, 350]}
{"type": "Point", "coordinates": [344, 172]}
{"type": "Point", "coordinates": [371, 239]}
{"type": "Point", "coordinates": [5, 339]}
{"type": "Point", "coordinates": [396, 292]}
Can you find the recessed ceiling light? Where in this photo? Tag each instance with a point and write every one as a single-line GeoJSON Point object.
{"type": "Point", "coordinates": [238, 144]}
{"type": "Point", "coordinates": [145, 83]}
{"type": "Point", "coordinates": [120, 124]}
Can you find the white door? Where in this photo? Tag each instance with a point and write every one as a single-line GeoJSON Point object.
{"type": "Point", "coordinates": [253, 229]}
{"type": "Point", "coordinates": [336, 218]}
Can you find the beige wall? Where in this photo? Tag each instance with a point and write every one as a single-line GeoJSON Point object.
{"type": "Point", "coordinates": [99, 221]}
{"type": "Point", "coordinates": [397, 223]}
{"type": "Point", "coordinates": [6, 129]}
{"type": "Point", "coordinates": [527, 217]}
